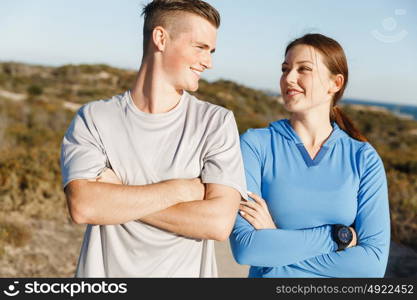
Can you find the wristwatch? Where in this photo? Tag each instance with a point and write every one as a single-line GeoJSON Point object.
{"type": "Point", "coordinates": [342, 235]}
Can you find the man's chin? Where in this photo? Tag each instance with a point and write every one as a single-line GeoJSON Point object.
{"type": "Point", "coordinates": [193, 88]}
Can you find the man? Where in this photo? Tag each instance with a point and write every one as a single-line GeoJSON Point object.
{"type": "Point", "coordinates": [159, 140]}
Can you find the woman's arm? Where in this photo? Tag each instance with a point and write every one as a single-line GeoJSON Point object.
{"type": "Point", "coordinates": [272, 247]}
{"type": "Point", "coordinates": [369, 258]}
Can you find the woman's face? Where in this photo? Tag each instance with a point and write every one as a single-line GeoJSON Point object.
{"type": "Point", "coordinates": [306, 82]}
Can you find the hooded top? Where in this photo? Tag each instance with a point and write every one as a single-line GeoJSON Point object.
{"type": "Point", "coordinates": [344, 184]}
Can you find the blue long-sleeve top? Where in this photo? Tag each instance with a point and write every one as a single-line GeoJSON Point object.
{"type": "Point", "coordinates": [344, 184]}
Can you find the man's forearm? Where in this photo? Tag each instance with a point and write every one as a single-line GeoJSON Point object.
{"type": "Point", "coordinates": [212, 218]}
{"type": "Point", "coordinates": [106, 203]}
{"type": "Point", "coordinates": [196, 219]}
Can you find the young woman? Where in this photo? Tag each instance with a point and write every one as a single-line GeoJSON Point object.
{"type": "Point", "coordinates": [324, 185]}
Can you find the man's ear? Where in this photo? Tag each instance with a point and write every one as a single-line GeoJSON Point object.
{"type": "Point", "coordinates": [159, 38]}
{"type": "Point", "coordinates": [337, 83]}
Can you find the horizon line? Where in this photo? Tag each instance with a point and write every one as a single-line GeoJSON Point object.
{"type": "Point", "coordinates": [265, 90]}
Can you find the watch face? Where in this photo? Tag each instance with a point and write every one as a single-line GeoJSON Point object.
{"type": "Point", "coordinates": [345, 235]}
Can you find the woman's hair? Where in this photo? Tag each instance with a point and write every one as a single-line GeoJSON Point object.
{"type": "Point", "coordinates": [335, 60]}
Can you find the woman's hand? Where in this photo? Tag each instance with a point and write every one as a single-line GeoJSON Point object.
{"type": "Point", "coordinates": [256, 213]}
{"type": "Point", "coordinates": [354, 241]}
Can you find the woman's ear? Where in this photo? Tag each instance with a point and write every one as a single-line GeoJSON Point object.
{"type": "Point", "coordinates": [159, 38]}
{"type": "Point", "coordinates": [337, 83]}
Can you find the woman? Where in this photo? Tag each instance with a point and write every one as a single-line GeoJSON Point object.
{"type": "Point", "coordinates": [317, 174]}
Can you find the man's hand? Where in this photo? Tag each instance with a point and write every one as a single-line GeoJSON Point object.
{"type": "Point", "coordinates": [186, 189]}
{"type": "Point", "coordinates": [108, 176]}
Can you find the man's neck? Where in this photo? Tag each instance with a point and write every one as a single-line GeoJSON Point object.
{"type": "Point", "coordinates": [151, 93]}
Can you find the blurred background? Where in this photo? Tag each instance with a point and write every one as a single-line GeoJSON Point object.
{"type": "Point", "coordinates": [58, 55]}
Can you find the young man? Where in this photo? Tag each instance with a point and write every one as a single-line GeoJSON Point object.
{"type": "Point", "coordinates": [159, 140]}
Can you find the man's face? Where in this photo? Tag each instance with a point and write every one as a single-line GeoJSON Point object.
{"type": "Point", "coordinates": [188, 52]}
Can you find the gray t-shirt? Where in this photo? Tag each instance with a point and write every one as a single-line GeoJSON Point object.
{"type": "Point", "coordinates": [195, 139]}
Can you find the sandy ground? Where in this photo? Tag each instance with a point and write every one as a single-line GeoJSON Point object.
{"type": "Point", "coordinates": [226, 264]}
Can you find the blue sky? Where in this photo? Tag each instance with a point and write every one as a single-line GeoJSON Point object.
{"type": "Point", "coordinates": [379, 38]}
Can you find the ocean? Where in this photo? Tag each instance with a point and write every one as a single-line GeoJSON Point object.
{"type": "Point", "coordinates": [399, 109]}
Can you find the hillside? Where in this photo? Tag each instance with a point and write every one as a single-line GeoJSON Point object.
{"type": "Point", "coordinates": [36, 106]}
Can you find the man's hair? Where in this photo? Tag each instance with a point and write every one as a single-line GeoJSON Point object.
{"type": "Point", "coordinates": [163, 13]}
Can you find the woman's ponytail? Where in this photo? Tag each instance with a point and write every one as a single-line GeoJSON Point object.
{"type": "Point", "coordinates": [338, 116]}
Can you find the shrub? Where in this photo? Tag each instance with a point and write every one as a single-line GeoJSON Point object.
{"type": "Point", "coordinates": [34, 90]}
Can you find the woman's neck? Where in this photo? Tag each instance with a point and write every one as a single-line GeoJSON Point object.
{"type": "Point", "coordinates": [313, 129]}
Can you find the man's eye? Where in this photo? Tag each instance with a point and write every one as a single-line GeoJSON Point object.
{"type": "Point", "coordinates": [284, 70]}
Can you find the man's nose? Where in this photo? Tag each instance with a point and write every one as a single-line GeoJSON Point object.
{"type": "Point", "coordinates": [207, 61]}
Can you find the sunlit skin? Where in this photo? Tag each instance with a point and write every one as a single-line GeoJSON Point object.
{"type": "Point", "coordinates": [307, 88]}
{"type": "Point", "coordinates": [189, 53]}
{"type": "Point", "coordinates": [306, 84]}
{"type": "Point", "coordinates": [174, 62]}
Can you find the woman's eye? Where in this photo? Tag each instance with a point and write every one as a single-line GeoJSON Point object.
{"type": "Point", "coordinates": [304, 69]}
{"type": "Point", "coordinates": [284, 70]}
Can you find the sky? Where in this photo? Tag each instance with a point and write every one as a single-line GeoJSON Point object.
{"type": "Point", "coordinates": [379, 38]}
